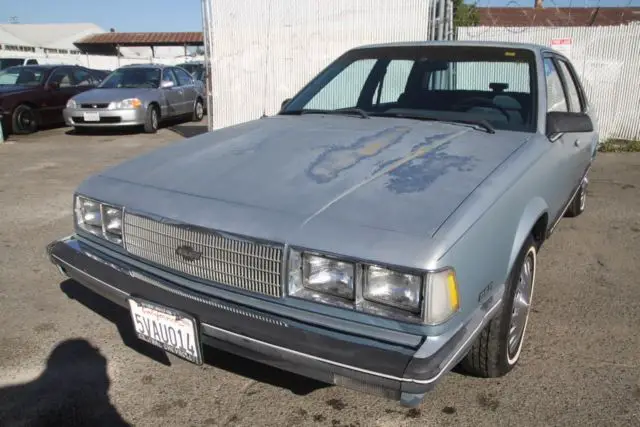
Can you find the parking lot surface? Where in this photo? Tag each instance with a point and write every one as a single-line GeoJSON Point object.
{"type": "Point", "coordinates": [68, 357]}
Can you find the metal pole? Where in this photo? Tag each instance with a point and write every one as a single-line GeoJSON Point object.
{"type": "Point", "coordinates": [450, 32]}
{"type": "Point", "coordinates": [441, 7]}
{"type": "Point", "coordinates": [207, 23]}
{"type": "Point", "coordinates": [432, 20]}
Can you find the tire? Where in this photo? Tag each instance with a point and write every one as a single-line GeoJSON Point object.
{"type": "Point", "coordinates": [198, 111]}
{"type": "Point", "coordinates": [152, 120]}
{"type": "Point", "coordinates": [497, 350]}
{"type": "Point", "coordinates": [24, 120]}
{"type": "Point", "coordinates": [579, 202]}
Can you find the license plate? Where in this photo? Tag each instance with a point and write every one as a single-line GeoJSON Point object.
{"type": "Point", "coordinates": [169, 329]}
{"type": "Point", "coordinates": [91, 117]}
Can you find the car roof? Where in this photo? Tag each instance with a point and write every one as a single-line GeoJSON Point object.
{"type": "Point", "coordinates": [449, 43]}
{"type": "Point", "coordinates": [150, 65]}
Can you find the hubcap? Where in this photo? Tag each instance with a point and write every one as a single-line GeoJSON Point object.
{"type": "Point", "coordinates": [583, 194]}
{"type": "Point", "coordinates": [154, 119]}
{"type": "Point", "coordinates": [199, 110]}
{"type": "Point", "coordinates": [521, 306]}
{"type": "Point", "coordinates": [25, 120]}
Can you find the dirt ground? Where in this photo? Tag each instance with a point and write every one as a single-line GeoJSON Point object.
{"type": "Point", "coordinates": [68, 357]}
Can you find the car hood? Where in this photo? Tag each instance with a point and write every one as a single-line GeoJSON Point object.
{"type": "Point", "coordinates": [276, 176]}
{"type": "Point", "coordinates": [101, 96]}
{"type": "Point", "coordinates": [9, 89]}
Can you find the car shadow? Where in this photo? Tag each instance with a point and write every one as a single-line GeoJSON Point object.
{"type": "Point", "coordinates": [72, 391]}
{"type": "Point", "coordinates": [247, 368]}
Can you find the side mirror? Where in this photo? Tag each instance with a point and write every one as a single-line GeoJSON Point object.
{"type": "Point", "coordinates": [563, 122]}
{"type": "Point", "coordinates": [53, 86]}
{"type": "Point", "coordinates": [166, 84]}
{"type": "Point", "coordinates": [284, 103]}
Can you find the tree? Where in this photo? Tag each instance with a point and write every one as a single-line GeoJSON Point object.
{"type": "Point", "coordinates": [465, 15]}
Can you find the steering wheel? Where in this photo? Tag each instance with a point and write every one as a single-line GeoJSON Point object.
{"type": "Point", "coordinates": [469, 103]}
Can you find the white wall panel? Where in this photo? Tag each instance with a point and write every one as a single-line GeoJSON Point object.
{"type": "Point", "coordinates": [264, 51]}
{"type": "Point", "coordinates": [607, 60]}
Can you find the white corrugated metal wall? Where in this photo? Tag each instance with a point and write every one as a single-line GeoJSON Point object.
{"type": "Point", "coordinates": [607, 59]}
{"type": "Point", "coordinates": [263, 51]}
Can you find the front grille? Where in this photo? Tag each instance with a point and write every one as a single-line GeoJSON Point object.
{"type": "Point", "coordinates": [94, 105]}
{"type": "Point", "coordinates": [239, 263]}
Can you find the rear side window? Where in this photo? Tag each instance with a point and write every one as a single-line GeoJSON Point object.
{"type": "Point", "coordinates": [575, 105]}
{"type": "Point", "coordinates": [556, 100]}
{"type": "Point", "coordinates": [32, 62]}
{"type": "Point", "coordinates": [183, 77]}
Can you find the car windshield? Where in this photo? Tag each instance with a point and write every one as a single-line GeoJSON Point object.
{"type": "Point", "coordinates": [490, 86]}
{"type": "Point", "coordinates": [135, 77]}
{"type": "Point", "coordinates": [22, 76]}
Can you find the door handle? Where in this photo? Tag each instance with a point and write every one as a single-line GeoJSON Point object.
{"type": "Point", "coordinates": [577, 143]}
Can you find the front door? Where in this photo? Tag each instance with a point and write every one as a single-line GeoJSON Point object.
{"type": "Point", "coordinates": [172, 95]}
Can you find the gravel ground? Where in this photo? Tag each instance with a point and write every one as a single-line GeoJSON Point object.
{"type": "Point", "coordinates": [68, 357]}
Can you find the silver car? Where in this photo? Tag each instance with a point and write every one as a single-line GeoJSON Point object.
{"type": "Point", "coordinates": [137, 95]}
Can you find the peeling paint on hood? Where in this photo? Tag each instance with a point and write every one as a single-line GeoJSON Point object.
{"type": "Point", "coordinates": [399, 175]}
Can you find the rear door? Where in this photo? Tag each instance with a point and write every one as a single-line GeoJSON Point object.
{"type": "Point", "coordinates": [188, 87]}
{"type": "Point", "coordinates": [585, 142]}
{"type": "Point", "coordinates": [563, 151]}
{"type": "Point", "coordinates": [172, 96]}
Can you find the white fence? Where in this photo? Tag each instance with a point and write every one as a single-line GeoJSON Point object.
{"type": "Point", "coordinates": [607, 60]}
{"type": "Point", "coordinates": [263, 51]}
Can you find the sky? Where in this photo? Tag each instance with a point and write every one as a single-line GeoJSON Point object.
{"type": "Point", "coordinates": [182, 15]}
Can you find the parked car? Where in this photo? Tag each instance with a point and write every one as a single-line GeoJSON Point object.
{"type": "Point", "coordinates": [192, 67]}
{"type": "Point", "coordinates": [137, 95]}
{"type": "Point", "coordinates": [12, 62]}
{"type": "Point", "coordinates": [35, 95]}
{"type": "Point", "coordinates": [381, 229]}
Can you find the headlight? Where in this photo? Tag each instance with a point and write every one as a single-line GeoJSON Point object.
{"type": "Point", "coordinates": [310, 273]}
{"type": "Point", "coordinates": [71, 103]}
{"type": "Point", "coordinates": [328, 275]}
{"type": "Point", "coordinates": [112, 223]}
{"type": "Point", "coordinates": [99, 219]}
{"type": "Point", "coordinates": [414, 296]}
{"type": "Point", "coordinates": [393, 288]}
{"type": "Point", "coordinates": [128, 103]}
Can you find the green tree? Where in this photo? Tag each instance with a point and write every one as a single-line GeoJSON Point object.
{"type": "Point", "coordinates": [465, 15]}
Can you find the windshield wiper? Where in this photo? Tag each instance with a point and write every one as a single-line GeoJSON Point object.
{"type": "Point", "coordinates": [343, 111]}
{"type": "Point", "coordinates": [476, 123]}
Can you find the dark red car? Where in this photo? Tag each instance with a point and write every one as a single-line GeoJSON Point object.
{"type": "Point", "coordinates": [35, 95]}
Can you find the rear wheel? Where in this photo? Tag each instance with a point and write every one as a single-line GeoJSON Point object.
{"type": "Point", "coordinates": [579, 202]}
{"type": "Point", "coordinates": [152, 120]}
{"type": "Point", "coordinates": [497, 349]}
{"type": "Point", "coordinates": [24, 120]}
{"type": "Point", "coordinates": [198, 111]}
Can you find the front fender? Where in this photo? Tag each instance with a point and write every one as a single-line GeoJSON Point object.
{"type": "Point", "coordinates": [535, 209]}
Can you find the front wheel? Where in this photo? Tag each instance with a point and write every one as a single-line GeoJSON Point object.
{"type": "Point", "coordinates": [152, 120]}
{"type": "Point", "coordinates": [497, 349]}
{"type": "Point", "coordinates": [24, 120]}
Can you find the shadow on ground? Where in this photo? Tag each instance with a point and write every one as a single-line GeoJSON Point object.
{"type": "Point", "coordinates": [187, 131]}
{"type": "Point", "coordinates": [72, 391]}
{"type": "Point", "coordinates": [256, 371]}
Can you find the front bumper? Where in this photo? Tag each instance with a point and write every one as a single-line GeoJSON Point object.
{"type": "Point", "coordinates": [398, 372]}
{"type": "Point", "coordinates": [108, 118]}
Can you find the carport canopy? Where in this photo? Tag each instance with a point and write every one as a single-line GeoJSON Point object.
{"type": "Point", "coordinates": [108, 43]}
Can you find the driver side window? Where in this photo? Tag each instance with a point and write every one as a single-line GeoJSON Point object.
{"type": "Point", "coordinates": [344, 90]}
